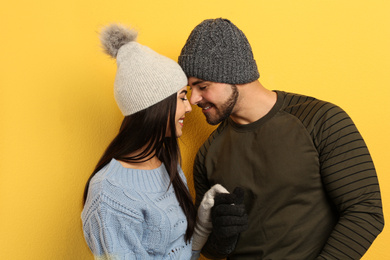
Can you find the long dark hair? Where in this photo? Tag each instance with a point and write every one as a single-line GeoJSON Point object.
{"type": "Point", "coordinates": [148, 128]}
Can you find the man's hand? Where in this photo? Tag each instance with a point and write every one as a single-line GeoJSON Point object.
{"type": "Point", "coordinates": [228, 215]}
{"type": "Point", "coordinates": [229, 219]}
{"type": "Point", "coordinates": [204, 226]}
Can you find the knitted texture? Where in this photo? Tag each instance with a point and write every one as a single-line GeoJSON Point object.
{"type": "Point", "coordinates": [130, 214]}
{"type": "Point", "coordinates": [143, 76]}
{"type": "Point", "coordinates": [229, 219]}
{"type": "Point", "coordinates": [218, 51]}
{"type": "Point", "coordinates": [204, 225]}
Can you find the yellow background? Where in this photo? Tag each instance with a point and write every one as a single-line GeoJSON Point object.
{"type": "Point", "coordinates": [57, 111]}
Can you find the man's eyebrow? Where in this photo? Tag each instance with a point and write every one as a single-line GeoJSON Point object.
{"type": "Point", "coordinates": [197, 82]}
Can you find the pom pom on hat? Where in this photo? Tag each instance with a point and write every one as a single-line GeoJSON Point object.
{"type": "Point", "coordinates": [115, 36]}
{"type": "Point", "coordinates": [143, 77]}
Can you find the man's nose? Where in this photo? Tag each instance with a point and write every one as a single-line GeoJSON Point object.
{"type": "Point", "coordinates": [195, 97]}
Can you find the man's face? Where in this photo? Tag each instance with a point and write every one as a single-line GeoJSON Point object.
{"type": "Point", "coordinates": [217, 100]}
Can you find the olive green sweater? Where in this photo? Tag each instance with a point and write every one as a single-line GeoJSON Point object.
{"type": "Point", "coordinates": [311, 186]}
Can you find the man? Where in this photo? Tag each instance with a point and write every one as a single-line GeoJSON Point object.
{"type": "Point", "coordinates": [311, 190]}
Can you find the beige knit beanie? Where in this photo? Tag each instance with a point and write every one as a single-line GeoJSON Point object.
{"type": "Point", "coordinates": [143, 77]}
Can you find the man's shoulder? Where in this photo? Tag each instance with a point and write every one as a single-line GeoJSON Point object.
{"type": "Point", "coordinates": [313, 113]}
{"type": "Point", "coordinates": [303, 106]}
{"type": "Point", "coordinates": [294, 99]}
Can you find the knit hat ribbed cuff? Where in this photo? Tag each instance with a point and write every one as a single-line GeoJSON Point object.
{"type": "Point", "coordinates": [144, 77]}
{"type": "Point", "coordinates": [218, 51]}
{"type": "Point", "coordinates": [219, 70]}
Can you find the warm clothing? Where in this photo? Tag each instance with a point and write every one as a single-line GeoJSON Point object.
{"type": "Point", "coordinates": [218, 51]}
{"type": "Point", "coordinates": [229, 219]}
{"type": "Point", "coordinates": [203, 224]}
{"type": "Point", "coordinates": [311, 189]}
{"type": "Point", "coordinates": [144, 77]}
{"type": "Point", "coordinates": [130, 214]}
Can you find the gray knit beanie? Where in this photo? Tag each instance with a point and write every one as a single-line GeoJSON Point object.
{"type": "Point", "coordinates": [143, 77]}
{"type": "Point", "coordinates": [218, 51]}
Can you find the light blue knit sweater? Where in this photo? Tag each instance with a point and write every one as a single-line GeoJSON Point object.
{"type": "Point", "coordinates": [129, 214]}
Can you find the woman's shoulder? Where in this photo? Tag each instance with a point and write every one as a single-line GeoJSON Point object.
{"type": "Point", "coordinates": [104, 173]}
{"type": "Point", "coordinates": [106, 190]}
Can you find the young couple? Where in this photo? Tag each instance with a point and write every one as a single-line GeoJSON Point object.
{"type": "Point", "coordinates": [311, 190]}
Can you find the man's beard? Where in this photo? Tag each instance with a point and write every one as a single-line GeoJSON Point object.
{"type": "Point", "coordinates": [225, 110]}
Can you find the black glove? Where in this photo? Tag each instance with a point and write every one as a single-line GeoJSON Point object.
{"type": "Point", "coordinates": [229, 219]}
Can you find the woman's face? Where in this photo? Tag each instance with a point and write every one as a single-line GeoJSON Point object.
{"type": "Point", "coordinates": [183, 106]}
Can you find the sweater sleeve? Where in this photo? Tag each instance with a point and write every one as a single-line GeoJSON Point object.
{"type": "Point", "coordinates": [201, 182]}
{"type": "Point", "coordinates": [202, 185]}
{"type": "Point", "coordinates": [350, 180]}
{"type": "Point", "coordinates": [112, 235]}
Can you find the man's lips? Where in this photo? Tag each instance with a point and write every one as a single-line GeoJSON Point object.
{"type": "Point", "coordinates": [205, 107]}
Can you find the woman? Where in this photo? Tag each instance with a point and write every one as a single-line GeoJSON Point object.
{"type": "Point", "coordinates": [137, 204]}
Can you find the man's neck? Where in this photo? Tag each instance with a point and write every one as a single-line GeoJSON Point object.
{"type": "Point", "coordinates": [254, 102]}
